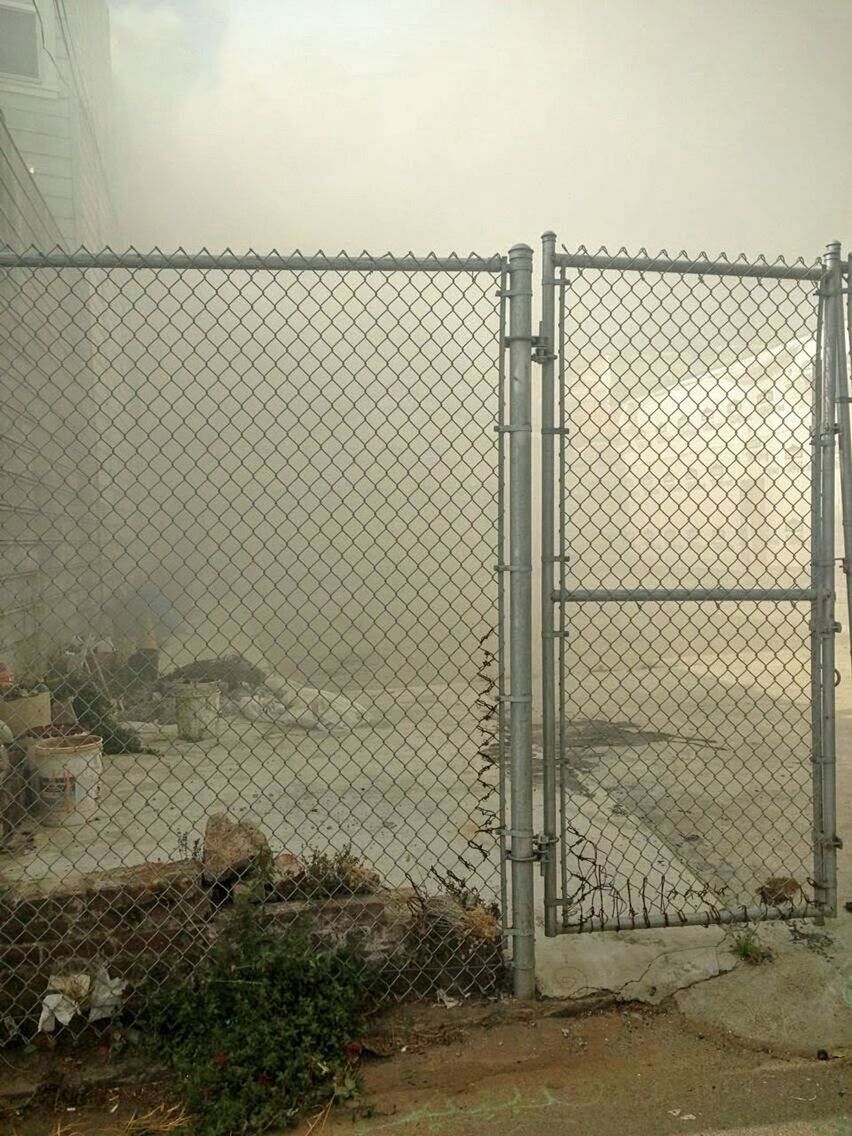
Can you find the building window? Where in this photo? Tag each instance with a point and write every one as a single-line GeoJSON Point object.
{"type": "Point", "coordinates": [18, 42]}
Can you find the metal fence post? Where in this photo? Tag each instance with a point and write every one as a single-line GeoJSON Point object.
{"type": "Point", "coordinates": [844, 444]}
{"type": "Point", "coordinates": [522, 851]}
{"type": "Point", "coordinates": [817, 415]}
{"type": "Point", "coordinates": [547, 358]}
{"type": "Point", "coordinates": [826, 854]}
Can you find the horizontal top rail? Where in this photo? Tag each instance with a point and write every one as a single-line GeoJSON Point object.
{"type": "Point", "coordinates": [682, 595]}
{"type": "Point", "coordinates": [248, 262]}
{"type": "Point", "coordinates": [686, 267]}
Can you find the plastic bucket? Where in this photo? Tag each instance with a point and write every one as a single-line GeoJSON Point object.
{"type": "Point", "coordinates": [196, 709]}
{"type": "Point", "coordinates": [69, 771]}
{"type": "Point", "coordinates": [39, 734]}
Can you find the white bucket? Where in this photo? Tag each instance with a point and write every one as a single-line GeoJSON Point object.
{"type": "Point", "coordinates": [196, 709]}
{"type": "Point", "coordinates": [70, 773]}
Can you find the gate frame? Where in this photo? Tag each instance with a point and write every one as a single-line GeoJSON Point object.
{"type": "Point", "coordinates": [830, 389]}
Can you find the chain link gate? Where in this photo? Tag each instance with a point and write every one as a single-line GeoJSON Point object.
{"type": "Point", "coordinates": [688, 432]}
{"type": "Point", "coordinates": [291, 460]}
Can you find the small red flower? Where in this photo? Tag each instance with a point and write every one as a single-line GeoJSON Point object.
{"type": "Point", "coordinates": [353, 1049]}
{"type": "Point", "coordinates": [265, 1080]}
{"type": "Point", "coordinates": [221, 1060]}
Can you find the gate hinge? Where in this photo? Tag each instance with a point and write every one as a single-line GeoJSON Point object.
{"type": "Point", "coordinates": [832, 842]}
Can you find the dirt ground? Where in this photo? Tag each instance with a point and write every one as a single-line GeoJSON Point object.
{"type": "Point", "coordinates": [507, 1069]}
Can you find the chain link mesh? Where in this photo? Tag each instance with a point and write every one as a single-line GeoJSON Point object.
{"type": "Point", "coordinates": [684, 773]}
{"type": "Point", "coordinates": [285, 481]}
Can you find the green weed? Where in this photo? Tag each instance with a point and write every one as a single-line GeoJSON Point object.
{"type": "Point", "coordinates": [748, 947]}
{"type": "Point", "coordinates": [259, 1033]}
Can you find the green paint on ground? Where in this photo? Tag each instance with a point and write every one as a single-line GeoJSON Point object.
{"type": "Point", "coordinates": [437, 1117]}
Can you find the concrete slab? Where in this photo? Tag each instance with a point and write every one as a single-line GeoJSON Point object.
{"type": "Point", "coordinates": [642, 966]}
{"type": "Point", "coordinates": [798, 1003]}
{"type": "Point", "coordinates": [629, 861]}
{"type": "Point", "coordinates": [802, 1000]}
{"type": "Point", "coordinates": [614, 865]}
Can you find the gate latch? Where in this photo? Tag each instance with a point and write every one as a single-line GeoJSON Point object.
{"type": "Point", "coordinates": [540, 353]}
{"type": "Point", "coordinates": [540, 851]}
{"type": "Point", "coordinates": [542, 846]}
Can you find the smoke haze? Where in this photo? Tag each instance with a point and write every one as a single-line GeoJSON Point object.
{"type": "Point", "coordinates": [433, 124]}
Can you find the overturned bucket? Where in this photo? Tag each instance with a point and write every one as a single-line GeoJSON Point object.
{"type": "Point", "coordinates": [196, 709]}
{"type": "Point", "coordinates": [69, 770]}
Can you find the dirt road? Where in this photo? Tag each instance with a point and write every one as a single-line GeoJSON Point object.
{"type": "Point", "coordinates": [472, 1071]}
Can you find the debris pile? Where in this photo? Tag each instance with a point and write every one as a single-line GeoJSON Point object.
{"type": "Point", "coordinates": [247, 692]}
{"type": "Point", "coordinates": [230, 671]}
{"type": "Point", "coordinates": [86, 946]}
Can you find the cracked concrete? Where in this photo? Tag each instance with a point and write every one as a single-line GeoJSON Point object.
{"type": "Point", "coordinates": [643, 966]}
{"type": "Point", "coordinates": [799, 1002]}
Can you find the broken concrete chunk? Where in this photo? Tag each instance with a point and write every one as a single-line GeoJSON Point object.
{"type": "Point", "coordinates": [102, 895]}
{"type": "Point", "coordinates": [251, 891]}
{"type": "Point", "coordinates": [287, 868]}
{"type": "Point", "coordinates": [231, 849]}
{"type": "Point", "coordinates": [288, 877]}
{"type": "Point", "coordinates": [286, 882]}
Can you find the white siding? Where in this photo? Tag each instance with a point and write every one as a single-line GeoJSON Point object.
{"type": "Point", "coordinates": [60, 124]}
{"type": "Point", "coordinates": [49, 514]}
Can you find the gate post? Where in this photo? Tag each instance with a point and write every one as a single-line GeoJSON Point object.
{"type": "Point", "coordinates": [825, 806]}
{"type": "Point", "coordinates": [547, 358]}
{"type": "Point", "coordinates": [522, 849]}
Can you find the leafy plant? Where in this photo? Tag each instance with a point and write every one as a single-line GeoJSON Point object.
{"type": "Point", "coordinates": [748, 947]}
{"type": "Point", "coordinates": [94, 710]}
{"type": "Point", "coordinates": [259, 1033]}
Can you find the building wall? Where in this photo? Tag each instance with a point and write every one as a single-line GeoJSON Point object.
{"type": "Point", "coordinates": [49, 501]}
{"type": "Point", "coordinates": [60, 121]}
{"type": "Point", "coordinates": [25, 217]}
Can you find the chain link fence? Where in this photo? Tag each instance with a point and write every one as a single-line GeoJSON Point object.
{"type": "Point", "coordinates": [252, 514]}
{"type": "Point", "coordinates": [684, 787]}
{"type": "Point", "coordinates": [254, 632]}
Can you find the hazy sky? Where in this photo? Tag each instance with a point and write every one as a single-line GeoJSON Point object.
{"type": "Point", "coordinates": [460, 124]}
